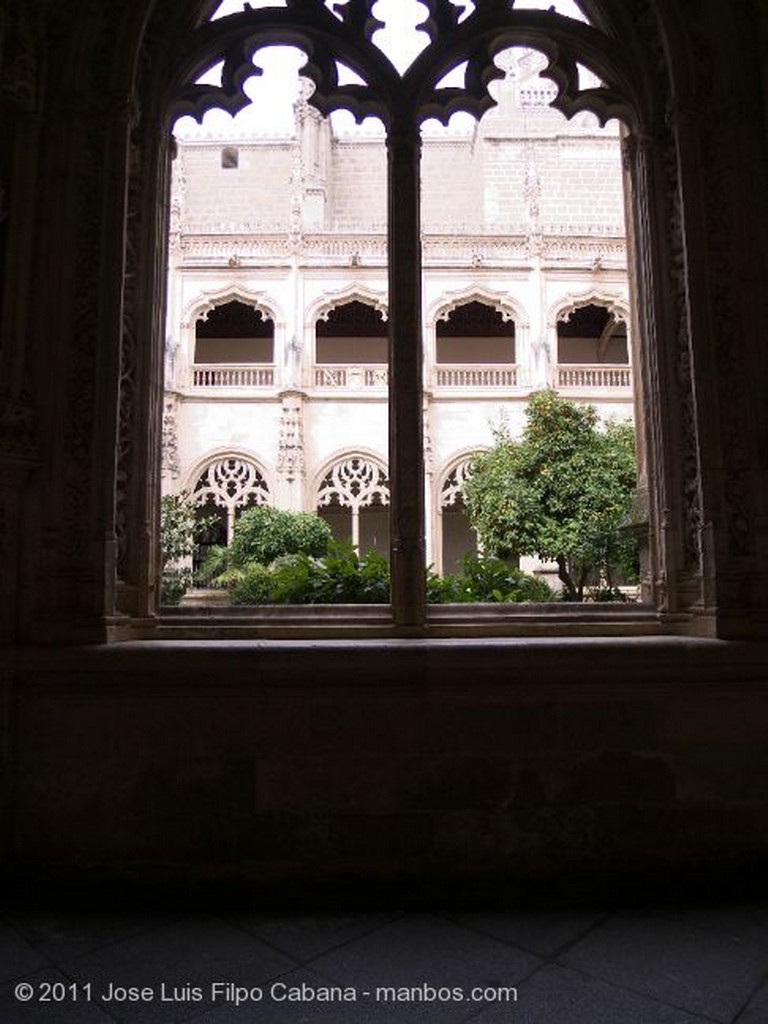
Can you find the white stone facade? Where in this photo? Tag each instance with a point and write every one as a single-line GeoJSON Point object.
{"type": "Point", "coordinates": [524, 214]}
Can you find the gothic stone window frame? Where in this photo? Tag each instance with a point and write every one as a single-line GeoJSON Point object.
{"type": "Point", "coordinates": [202, 305]}
{"type": "Point", "coordinates": [448, 492]}
{"type": "Point", "coordinates": [511, 308]}
{"type": "Point", "coordinates": [630, 52]}
{"type": "Point", "coordinates": [231, 480]}
{"type": "Point", "coordinates": [353, 480]}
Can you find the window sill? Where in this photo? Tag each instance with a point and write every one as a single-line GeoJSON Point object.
{"type": "Point", "coordinates": [370, 621]}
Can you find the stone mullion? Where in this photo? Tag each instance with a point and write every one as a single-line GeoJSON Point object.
{"type": "Point", "coordinates": [661, 420]}
{"type": "Point", "coordinates": [704, 376]}
{"type": "Point", "coordinates": [111, 317]}
{"type": "Point", "coordinates": [406, 448]}
{"type": "Point", "coordinates": [139, 450]}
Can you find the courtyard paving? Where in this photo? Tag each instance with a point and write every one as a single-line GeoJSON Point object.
{"type": "Point", "coordinates": [651, 965]}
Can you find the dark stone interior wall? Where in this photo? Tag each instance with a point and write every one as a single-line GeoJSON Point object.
{"type": "Point", "coordinates": [276, 767]}
{"type": "Point", "coordinates": [516, 767]}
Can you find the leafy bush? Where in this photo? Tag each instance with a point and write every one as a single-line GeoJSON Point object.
{"type": "Point", "coordinates": [340, 577]}
{"type": "Point", "coordinates": [180, 527]}
{"type": "Point", "coordinates": [484, 580]}
{"type": "Point", "coordinates": [215, 566]}
{"type": "Point", "coordinates": [264, 533]}
{"type": "Point", "coordinates": [174, 585]}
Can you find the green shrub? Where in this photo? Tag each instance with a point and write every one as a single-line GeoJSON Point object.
{"type": "Point", "coordinates": [485, 580]}
{"type": "Point", "coordinates": [263, 534]}
{"type": "Point", "coordinates": [340, 577]}
{"type": "Point", "coordinates": [349, 578]}
{"type": "Point", "coordinates": [181, 525]}
{"type": "Point", "coordinates": [249, 585]}
{"type": "Point", "coordinates": [215, 566]}
{"type": "Point", "coordinates": [174, 585]}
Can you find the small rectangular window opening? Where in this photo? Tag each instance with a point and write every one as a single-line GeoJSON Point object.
{"type": "Point", "coordinates": [230, 158]}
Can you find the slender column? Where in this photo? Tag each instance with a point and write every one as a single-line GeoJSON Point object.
{"type": "Point", "coordinates": [406, 447]}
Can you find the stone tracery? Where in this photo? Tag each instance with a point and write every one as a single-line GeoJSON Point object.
{"type": "Point", "coordinates": [231, 483]}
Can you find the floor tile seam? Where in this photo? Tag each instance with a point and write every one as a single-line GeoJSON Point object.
{"type": "Point", "coordinates": [601, 920]}
{"type": "Point", "coordinates": [258, 938]}
{"type": "Point", "coordinates": [666, 915]}
{"type": "Point", "coordinates": [33, 947]}
{"type": "Point", "coordinates": [74, 981]}
{"type": "Point", "coordinates": [473, 930]}
{"type": "Point", "coordinates": [306, 962]}
{"type": "Point", "coordinates": [518, 947]}
{"type": "Point", "coordinates": [99, 1008]}
{"type": "Point", "coordinates": [762, 984]}
{"type": "Point", "coordinates": [696, 1014]}
{"type": "Point", "coordinates": [107, 945]}
{"type": "Point", "coordinates": [528, 977]}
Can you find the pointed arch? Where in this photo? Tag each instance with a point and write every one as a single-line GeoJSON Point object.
{"type": "Point", "coordinates": [454, 535]}
{"type": "Point", "coordinates": [350, 490]}
{"type": "Point", "coordinates": [257, 480]}
{"type": "Point", "coordinates": [357, 291]}
{"type": "Point", "coordinates": [203, 304]}
{"type": "Point", "coordinates": [617, 305]}
{"type": "Point", "coordinates": [503, 302]}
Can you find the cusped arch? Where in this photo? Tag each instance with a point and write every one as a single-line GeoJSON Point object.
{"type": "Point", "coordinates": [616, 305]}
{"type": "Point", "coordinates": [455, 474]}
{"type": "Point", "coordinates": [202, 305]}
{"type": "Point", "coordinates": [322, 307]}
{"type": "Point", "coordinates": [353, 479]}
{"type": "Point", "coordinates": [511, 309]}
{"type": "Point", "coordinates": [231, 478]}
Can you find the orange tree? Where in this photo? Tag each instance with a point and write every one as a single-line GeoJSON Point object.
{"type": "Point", "coordinates": [563, 492]}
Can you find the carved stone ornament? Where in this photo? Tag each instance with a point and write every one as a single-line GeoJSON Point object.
{"type": "Point", "coordinates": [355, 483]}
{"type": "Point", "coordinates": [452, 490]}
{"type": "Point", "coordinates": [290, 452]}
{"type": "Point", "coordinates": [170, 440]}
{"type": "Point", "coordinates": [329, 33]}
{"type": "Point", "coordinates": [231, 483]}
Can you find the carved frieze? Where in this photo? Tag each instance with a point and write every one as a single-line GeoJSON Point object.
{"type": "Point", "coordinates": [170, 439]}
{"type": "Point", "coordinates": [290, 451]}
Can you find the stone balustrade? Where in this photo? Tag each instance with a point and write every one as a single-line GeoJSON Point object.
{"type": "Point", "coordinates": [376, 375]}
{"type": "Point", "coordinates": [484, 375]}
{"type": "Point", "coordinates": [230, 376]}
{"type": "Point", "coordinates": [579, 375]}
{"type": "Point", "coordinates": [353, 378]}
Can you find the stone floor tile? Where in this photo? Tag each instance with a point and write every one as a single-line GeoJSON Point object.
{"type": "Point", "coordinates": [271, 1010]}
{"type": "Point", "coordinates": [35, 1011]}
{"type": "Point", "coordinates": [542, 933]}
{"type": "Point", "coordinates": [423, 950]}
{"type": "Point", "coordinates": [700, 970]}
{"type": "Point", "coordinates": [194, 952]}
{"type": "Point", "coordinates": [756, 1010]}
{"type": "Point", "coordinates": [304, 937]}
{"type": "Point", "coordinates": [745, 923]}
{"type": "Point", "coordinates": [17, 956]}
{"type": "Point", "coordinates": [66, 935]}
{"type": "Point", "coordinates": [557, 995]}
